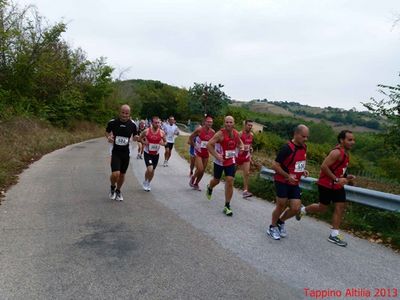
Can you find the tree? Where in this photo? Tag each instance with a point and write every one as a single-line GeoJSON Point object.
{"type": "Point", "coordinates": [388, 107]}
{"type": "Point", "coordinates": [205, 98]}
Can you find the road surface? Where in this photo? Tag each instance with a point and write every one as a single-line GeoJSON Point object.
{"type": "Point", "coordinates": [62, 238]}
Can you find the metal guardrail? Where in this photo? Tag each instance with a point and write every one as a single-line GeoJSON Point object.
{"type": "Point", "coordinates": [355, 194]}
{"type": "Point", "coordinates": [183, 126]}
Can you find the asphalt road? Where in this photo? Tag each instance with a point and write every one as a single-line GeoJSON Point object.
{"type": "Point", "coordinates": [62, 238]}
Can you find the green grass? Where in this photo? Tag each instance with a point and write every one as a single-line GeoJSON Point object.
{"type": "Point", "coordinates": [373, 224]}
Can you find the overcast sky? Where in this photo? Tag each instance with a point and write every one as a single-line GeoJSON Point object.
{"type": "Point", "coordinates": [316, 52]}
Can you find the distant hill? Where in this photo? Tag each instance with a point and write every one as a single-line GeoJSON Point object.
{"type": "Point", "coordinates": [336, 117]}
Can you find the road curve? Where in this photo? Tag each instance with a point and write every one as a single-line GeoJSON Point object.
{"type": "Point", "coordinates": [62, 238]}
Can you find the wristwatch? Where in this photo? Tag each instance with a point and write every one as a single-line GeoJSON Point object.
{"type": "Point", "coordinates": [336, 180]}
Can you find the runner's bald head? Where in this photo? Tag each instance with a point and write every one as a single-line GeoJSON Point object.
{"type": "Point", "coordinates": [125, 112]}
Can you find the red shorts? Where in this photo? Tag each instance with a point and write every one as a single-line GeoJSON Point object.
{"type": "Point", "coordinates": [240, 160]}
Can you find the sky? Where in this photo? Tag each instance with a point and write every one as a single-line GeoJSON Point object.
{"type": "Point", "coordinates": [315, 52]}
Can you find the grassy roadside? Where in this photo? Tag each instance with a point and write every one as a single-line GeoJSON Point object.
{"type": "Point", "coordinates": [24, 140]}
{"type": "Point", "coordinates": [376, 225]}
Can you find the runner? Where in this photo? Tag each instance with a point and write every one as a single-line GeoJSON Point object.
{"type": "Point", "coordinates": [223, 147]}
{"type": "Point", "coordinates": [332, 179]}
{"type": "Point", "coordinates": [152, 138]}
{"type": "Point", "coordinates": [118, 133]}
{"type": "Point", "coordinates": [142, 127]}
{"type": "Point", "coordinates": [289, 166]}
{"type": "Point", "coordinates": [171, 130]}
{"type": "Point", "coordinates": [244, 158]}
{"type": "Point", "coordinates": [199, 139]}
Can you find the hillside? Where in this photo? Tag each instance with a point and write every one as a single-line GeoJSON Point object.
{"type": "Point", "coordinates": [337, 118]}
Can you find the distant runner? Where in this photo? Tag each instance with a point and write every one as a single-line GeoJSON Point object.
{"type": "Point", "coordinates": [244, 158]}
{"type": "Point", "coordinates": [199, 139]}
{"type": "Point", "coordinates": [171, 130]}
{"type": "Point", "coordinates": [152, 138]}
{"type": "Point", "coordinates": [142, 127]}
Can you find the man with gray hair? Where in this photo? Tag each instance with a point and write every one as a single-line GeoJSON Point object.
{"type": "Point", "coordinates": [289, 166]}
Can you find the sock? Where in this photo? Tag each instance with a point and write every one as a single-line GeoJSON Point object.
{"type": "Point", "coordinates": [117, 191]}
{"type": "Point", "coordinates": [227, 205]}
{"type": "Point", "coordinates": [280, 222]}
{"type": "Point", "coordinates": [113, 187]}
{"type": "Point", "coordinates": [303, 210]}
{"type": "Point", "coordinates": [335, 232]}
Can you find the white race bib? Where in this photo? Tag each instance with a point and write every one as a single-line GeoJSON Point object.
{"type": "Point", "coordinates": [121, 140]}
{"type": "Point", "coordinates": [230, 154]}
{"type": "Point", "coordinates": [154, 147]}
{"type": "Point", "coordinates": [300, 166]}
{"type": "Point", "coordinates": [203, 144]}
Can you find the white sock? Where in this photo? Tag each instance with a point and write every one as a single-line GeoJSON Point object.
{"type": "Point", "coordinates": [335, 232]}
{"type": "Point", "coordinates": [303, 210]}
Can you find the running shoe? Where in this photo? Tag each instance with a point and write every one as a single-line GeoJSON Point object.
{"type": "Point", "coordinates": [208, 192]}
{"type": "Point", "coordinates": [228, 211]}
{"type": "Point", "coordinates": [138, 156]}
{"type": "Point", "coordinates": [145, 184]}
{"type": "Point", "coordinates": [247, 194]}
{"type": "Point", "coordinates": [191, 182]}
{"type": "Point", "coordinates": [112, 194]}
{"type": "Point", "coordinates": [300, 214]}
{"type": "Point", "coordinates": [337, 240]}
{"type": "Point", "coordinates": [273, 232]}
{"type": "Point", "coordinates": [165, 163]}
{"type": "Point", "coordinates": [118, 196]}
{"type": "Point", "coordinates": [282, 230]}
{"type": "Point", "coordinates": [196, 187]}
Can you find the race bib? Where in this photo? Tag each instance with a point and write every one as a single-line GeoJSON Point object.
{"type": "Point", "coordinates": [300, 166]}
{"type": "Point", "coordinates": [121, 140]}
{"type": "Point", "coordinates": [230, 154]}
{"type": "Point", "coordinates": [203, 144]}
{"type": "Point", "coordinates": [154, 147]}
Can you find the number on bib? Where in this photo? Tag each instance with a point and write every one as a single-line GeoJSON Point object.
{"type": "Point", "coordinates": [154, 147]}
{"type": "Point", "coordinates": [121, 140]}
{"type": "Point", "coordinates": [300, 166]}
{"type": "Point", "coordinates": [230, 153]}
{"type": "Point", "coordinates": [203, 144]}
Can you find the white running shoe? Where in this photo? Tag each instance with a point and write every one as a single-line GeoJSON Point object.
{"type": "Point", "coordinates": [165, 163]}
{"type": "Point", "coordinates": [112, 195]}
{"type": "Point", "coordinates": [118, 196]}
{"type": "Point", "coordinates": [273, 232]}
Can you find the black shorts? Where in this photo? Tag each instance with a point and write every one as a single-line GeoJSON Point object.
{"type": "Point", "coordinates": [119, 161]}
{"type": "Point", "coordinates": [151, 160]}
{"type": "Point", "coordinates": [169, 146]}
{"type": "Point", "coordinates": [326, 196]}
{"type": "Point", "coordinates": [228, 170]}
{"type": "Point", "coordinates": [287, 191]}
